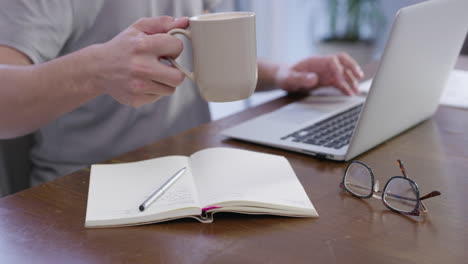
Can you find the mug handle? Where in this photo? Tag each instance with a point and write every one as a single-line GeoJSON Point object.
{"type": "Point", "coordinates": [186, 33]}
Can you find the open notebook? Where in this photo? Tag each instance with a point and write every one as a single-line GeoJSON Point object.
{"type": "Point", "coordinates": [216, 180]}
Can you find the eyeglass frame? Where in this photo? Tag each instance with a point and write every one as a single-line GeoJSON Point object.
{"type": "Point", "coordinates": [415, 212]}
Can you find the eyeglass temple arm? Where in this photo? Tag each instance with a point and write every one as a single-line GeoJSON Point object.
{"type": "Point", "coordinates": [427, 196]}
{"type": "Point", "coordinates": [430, 195]}
{"type": "Point", "coordinates": [402, 168]}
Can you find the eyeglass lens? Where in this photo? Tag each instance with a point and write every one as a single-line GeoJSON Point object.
{"type": "Point", "coordinates": [358, 179]}
{"type": "Point", "coordinates": [401, 194]}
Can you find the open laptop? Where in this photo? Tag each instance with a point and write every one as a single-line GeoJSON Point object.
{"type": "Point", "coordinates": [421, 51]}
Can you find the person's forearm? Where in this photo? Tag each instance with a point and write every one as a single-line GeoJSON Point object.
{"type": "Point", "coordinates": [34, 95]}
{"type": "Point", "coordinates": [127, 68]}
{"type": "Point", "coordinates": [266, 75]}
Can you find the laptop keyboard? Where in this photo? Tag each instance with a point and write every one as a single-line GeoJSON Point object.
{"type": "Point", "coordinates": [334, 132]}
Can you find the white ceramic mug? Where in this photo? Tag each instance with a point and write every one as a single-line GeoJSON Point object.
{"type": "Point", "coordinates": [224, 55]}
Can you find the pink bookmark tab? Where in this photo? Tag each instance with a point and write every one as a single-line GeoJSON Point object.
{"type": "Point", "coordinates": [209, 208]}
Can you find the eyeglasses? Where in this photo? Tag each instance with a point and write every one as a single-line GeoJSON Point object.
{"type": "Point", "coordinates": [400, 193]}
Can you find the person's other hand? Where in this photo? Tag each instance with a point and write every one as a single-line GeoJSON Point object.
{"type": "Point", "coordinates": [340, 71]}
{"type": "Point", "coordinates": [130, 69]}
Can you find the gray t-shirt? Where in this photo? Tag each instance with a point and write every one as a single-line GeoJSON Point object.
{"type": "Point", "coordinates": [101, 128]}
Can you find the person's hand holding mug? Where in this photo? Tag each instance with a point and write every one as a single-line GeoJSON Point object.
{"type": "Point", "coordinates": [224, 57]}
{"type": "Point", "coordinates": [130, 67]}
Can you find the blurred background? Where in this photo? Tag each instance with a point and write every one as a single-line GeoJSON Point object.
{"type": "Point", "coordinates": [288, 30]}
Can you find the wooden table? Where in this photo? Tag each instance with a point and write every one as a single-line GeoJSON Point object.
{"type": "Point", "coordinates": [45, 224]}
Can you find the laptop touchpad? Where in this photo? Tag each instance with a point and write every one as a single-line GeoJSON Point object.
{"type": "Point", "coordinates": [313, 108]}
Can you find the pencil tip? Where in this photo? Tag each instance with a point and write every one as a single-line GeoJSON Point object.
{"type": "Point", "coordinates": [142, 208]}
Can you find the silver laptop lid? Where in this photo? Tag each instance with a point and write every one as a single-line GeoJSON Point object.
{"type": "Point", "coordinates": [421, 51]}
